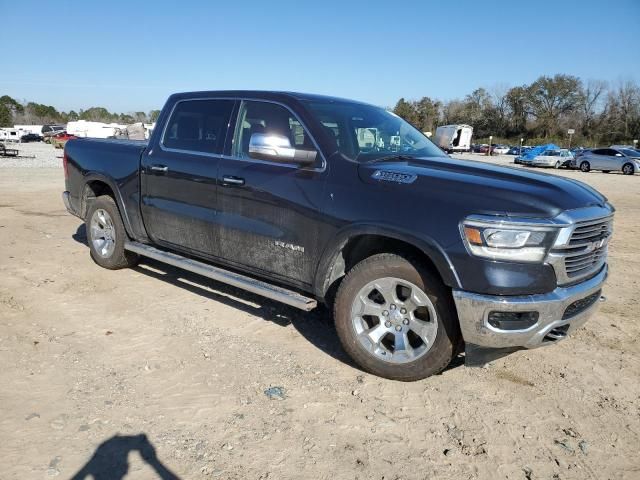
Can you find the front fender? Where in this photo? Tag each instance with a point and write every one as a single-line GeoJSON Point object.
{"type": "Point", "coordinates": [332, 253]}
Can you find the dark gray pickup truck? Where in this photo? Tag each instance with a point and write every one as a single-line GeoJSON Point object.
{"type": "Point", "coordinates": [305, 198]}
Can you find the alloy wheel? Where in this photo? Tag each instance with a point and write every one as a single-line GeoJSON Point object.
{"type": "Point", "coordinates": [103, 233]}
{"type": "Point", "coordinates": [394, 320]}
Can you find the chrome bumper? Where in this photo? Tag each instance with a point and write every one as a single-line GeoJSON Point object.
{"type": "Point", "coordinates": [474, 309]}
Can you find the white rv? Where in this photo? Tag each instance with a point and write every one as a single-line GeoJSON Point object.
{"type": "Point", "coordinates": [454, 138]}
{"type": "Point", "coordinates": [84, 128]}
{"type": "Point", "coordinates": [10, 135]}
{"type": "Point", "coordinates": [37, 129]}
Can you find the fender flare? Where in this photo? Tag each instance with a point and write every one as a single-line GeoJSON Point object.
{"type": "Point", "coordinates": [425, 244]}
{"type": "Point", "coordinates": [95, 176]}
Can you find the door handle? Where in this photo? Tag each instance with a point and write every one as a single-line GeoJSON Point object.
{"type": "Point", "coordinates": [228, 180]}
{"type": "Point", "coordinates": [160, 168]}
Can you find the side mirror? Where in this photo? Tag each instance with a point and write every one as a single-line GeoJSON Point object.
{"type": "Point", "coordinates": [277, 148]}
{"type": "Point", "coordinates": [618, 154]}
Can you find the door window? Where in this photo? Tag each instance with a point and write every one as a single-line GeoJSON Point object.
{"type": "Point", "coordinates": [268, 118]}
{"type": "Point", "coordinates": [198, 126]}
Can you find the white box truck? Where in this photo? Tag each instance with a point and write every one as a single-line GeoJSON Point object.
{"type": "Point", "coordinates": [454, 138]}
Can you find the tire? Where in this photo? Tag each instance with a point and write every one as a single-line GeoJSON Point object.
{"type": "Point", "coordinates": [585, 166]}
{"type": "Point", "coordinates": [557, 165]}
{"type": "Point", "coordinates": [628, 169]}
{"type": "Point", "coordinates": [106, 235]}
{"type": "Point", "coordinates": [436, 318]}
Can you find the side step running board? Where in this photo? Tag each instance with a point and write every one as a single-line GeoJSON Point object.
{"type": "Point", "coordinates": [225, 276]}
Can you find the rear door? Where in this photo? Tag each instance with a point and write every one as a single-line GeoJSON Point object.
{"type": "Point", "coordinates": [270, 212]}
{"type": "Point", "coordinates": [599, 158]}
{"type": "Point", "coordinates": [178, 176]}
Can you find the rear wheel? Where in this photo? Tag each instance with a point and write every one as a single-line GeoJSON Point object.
{"type": "Point", "coordinates": [396, 319]}
{"type": "Point", "coordinates": [106, 235]}
{"type": "Point", "coordinates": [585, 166]}
{"type": "Point", "coordinates": [627, 169]}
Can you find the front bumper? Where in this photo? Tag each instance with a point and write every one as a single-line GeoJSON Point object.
{"type": "Point", "coordinates": [560, 314]}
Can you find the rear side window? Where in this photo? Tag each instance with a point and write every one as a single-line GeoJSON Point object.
{"type": "Point", "coordinates": [198, 126]}
{"type": "Point", "coordinates": [600, 151]}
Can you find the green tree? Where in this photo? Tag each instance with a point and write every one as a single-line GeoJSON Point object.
{"type": "Point", "coordinates": [550, 98]}
{"type": "Point", "coordinates": [97, 114]}
{"type": "Point", "coordinates": [6, 119]}
{"type": "Point", "coordinates": [405, 110]}
{"type": "Point", "coordinates": [153, 115]}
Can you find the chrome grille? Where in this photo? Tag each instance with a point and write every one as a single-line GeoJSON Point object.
{"type": "Point", "coordinates": [585, 253]}
{"type": "Point", "coordinates": [582, 263]}
{"type": "Point", "coordinates": [588, 232]}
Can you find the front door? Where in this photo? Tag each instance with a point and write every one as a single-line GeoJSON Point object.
{"type": "Point", "coordinates": [179, 176]}
{"type": "Point", "coordinates": [270, 213]}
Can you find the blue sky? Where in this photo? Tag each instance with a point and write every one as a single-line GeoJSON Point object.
{"type": "Point", "coordinates": [129, 56]}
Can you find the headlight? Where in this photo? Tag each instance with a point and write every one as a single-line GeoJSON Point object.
{"type": "Point", "coordinates": [504, 240]}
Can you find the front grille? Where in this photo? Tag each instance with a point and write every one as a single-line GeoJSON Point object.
{"type": "Point", "coordinates": [580, 264]}
{"type": "Point", "coordinates": [588, 232]}
{"type": "Point", "coordinates": [581, 305]}
{"type": "Point", "coordinates": [586, 251]}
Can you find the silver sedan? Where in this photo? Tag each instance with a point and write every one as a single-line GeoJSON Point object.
{"type": "Point", "coordinates": [625, 160]}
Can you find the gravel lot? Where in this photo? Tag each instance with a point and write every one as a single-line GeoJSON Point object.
{"type": "Point", "coordinates": [156, 370]}
{"type": "Point", "coordinates": [33, 155]}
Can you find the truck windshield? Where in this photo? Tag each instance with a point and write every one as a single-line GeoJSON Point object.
{"type": "Point", "coordinates": [365, 133]}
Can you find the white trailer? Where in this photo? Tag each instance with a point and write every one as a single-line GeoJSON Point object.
{"type": "Point", "coordinates": [10, 135]}
{"type": "Point", "coordinates": [84, 128]}
{"type": "Point", "coordinates": [37, 129]}
{"type": "Point", "coordinates": [454, 138]}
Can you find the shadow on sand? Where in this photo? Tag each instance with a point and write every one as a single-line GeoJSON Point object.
{"type": "Point", "coordinates": [110, 460]}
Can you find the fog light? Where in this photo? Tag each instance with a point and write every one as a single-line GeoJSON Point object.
{"type": "Point", "coordinates": [513, 320]}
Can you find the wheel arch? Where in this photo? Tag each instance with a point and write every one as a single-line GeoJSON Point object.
{"type": "Point", "coordinates": [96, 184]}
{"type": "Point", "coordinates": [358, 242]}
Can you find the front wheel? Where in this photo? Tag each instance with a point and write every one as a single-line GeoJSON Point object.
{"type": "Point", "coordinates": [396, 319]}
{"type": "Point", "coordinates": [557, 165]}
{"type": "Point", "coordinates": [106, 235]}
{"type": "Point", "coordinates": [585, 166]}
{"type": "Point", "coordinates": [627, 169]}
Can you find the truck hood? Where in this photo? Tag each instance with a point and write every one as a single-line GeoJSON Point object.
{"type": "Point", "coordinates": [483, 188]}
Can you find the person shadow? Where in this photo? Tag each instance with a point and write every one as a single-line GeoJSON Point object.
{"type": "Point", "coordinates": [110, 460]}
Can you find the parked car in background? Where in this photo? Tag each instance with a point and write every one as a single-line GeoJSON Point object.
{"type": "Point", "coordinates": [485, 148]}
{"type": "Point", "coordinates": [60, 139]}
{"type": "Point", "coordinates": [514, 151]}
{"type": "Point", "coordinates": [553, 158]}
{"type": "Point", "coordinates": [30, 137]}
{"type": "Point", "coordinates": [501, 149]}
{"type": "Point", "coordinates": [49, 131]}
{"type": "Point", "coordinates": [625, 160]}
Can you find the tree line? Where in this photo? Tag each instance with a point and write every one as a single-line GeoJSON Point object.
{"type": "Point", "coordinates": [540, 112]}
{"type": "Point", "coordinates": [13, 112]}
{"type": "Point", "coordinates": [600, 113]}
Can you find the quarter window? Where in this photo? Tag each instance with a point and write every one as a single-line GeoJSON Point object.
{"type": "Point", "coordinates": [199, 126]}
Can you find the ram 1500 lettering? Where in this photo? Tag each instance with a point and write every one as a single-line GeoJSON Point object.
{"type": "Point", "coordinates": [304, 198]}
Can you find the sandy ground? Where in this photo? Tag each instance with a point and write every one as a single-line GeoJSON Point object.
{"type": "Point", "coordinates": [163, 373]}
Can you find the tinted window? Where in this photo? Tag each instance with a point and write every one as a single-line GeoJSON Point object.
{"type": "Point", "coordinates": [599, 151]}
{"type": "Point", "coordinates": [198, 125]}
{"type": "Point", "coordinates": [364, 132]}
{"type": "Point", "coordinates": [270, 118]}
